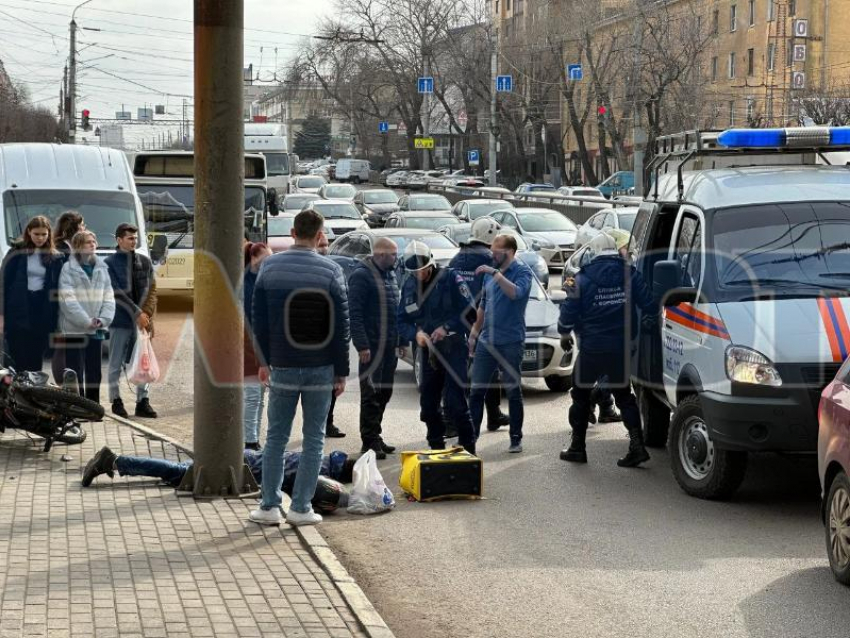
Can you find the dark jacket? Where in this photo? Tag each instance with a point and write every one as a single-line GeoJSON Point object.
{"type": "Point", "coordinates": [250, 364]}
{"type": "Point", "coordinates": [444, 300]}
{"type": "Point", "coordinates": [601, 304]}
{"type": "Point", "coordinates": [300, 312]}
{"type": "Point", "coordinates": [134, 286]}
{"type": "Point", "coordinates": [373, 297]}
{"type": "Point", "coordinates": [14, 293]}
{"type": "Point", "coordinates": [466, 262]}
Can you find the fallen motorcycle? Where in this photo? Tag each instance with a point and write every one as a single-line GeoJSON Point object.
{"type": "Point", "coordinates": [29, 403]}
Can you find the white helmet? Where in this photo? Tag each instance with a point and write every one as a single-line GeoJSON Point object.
{"type": "Point", "coordinates": [417, 256]}
{"type": "Point", "coordinates": [484, 230]}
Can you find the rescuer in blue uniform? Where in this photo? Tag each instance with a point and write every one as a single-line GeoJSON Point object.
{"type": "Point", "coordinates": [600, 308]}
{"type": "Point", "coordinates": [433, 313]}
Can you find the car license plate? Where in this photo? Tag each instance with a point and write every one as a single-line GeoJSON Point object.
{"type": "Point", "coordinates": [529, 356]}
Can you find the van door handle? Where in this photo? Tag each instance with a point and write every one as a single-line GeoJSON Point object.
{"type": "Point", "coordinates": [668, 326]}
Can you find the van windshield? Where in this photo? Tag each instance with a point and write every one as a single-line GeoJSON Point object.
{"type": "Point", "coordinates": [277, 164]}
{"type": "Point", "coordinates": [102, 211]}
{"type": "Point", "coordinates": [783, 245]}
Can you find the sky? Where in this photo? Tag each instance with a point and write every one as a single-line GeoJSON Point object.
{"type": "Point", "coordinates": [141, 55]}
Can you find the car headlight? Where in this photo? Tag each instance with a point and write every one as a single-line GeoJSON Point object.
{"type": "Point", "coordinates": [545, 243]}
{"type": "Point", "coordinates": [744, 365]}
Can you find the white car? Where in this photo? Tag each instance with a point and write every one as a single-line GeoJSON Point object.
{"type": "Point", "coordinates": [547, 230]}
{"type": "Point", "coordinates": [394, 180]}
{"type": "Point", "coordinates": [608, 218]}
{"type": "Point", "coordinates": [307, 184]}
{"type": "Point", "coordinates": [338, 191]}
{"type": "Point", "coordinates": [341, 215]}
{"type": "Point", "coordinates": [580, 191]}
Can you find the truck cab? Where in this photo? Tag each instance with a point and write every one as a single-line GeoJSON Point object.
{"type": "Point", "coordinates": [750, 261]}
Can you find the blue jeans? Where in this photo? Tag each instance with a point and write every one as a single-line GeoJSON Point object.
{"type": "Point", "coordinates": [169, 471]}
{"type": "Point", "coordinates": [312, 386]}
{"type": "Point", "coordinates": [507, 358]}
{"type": "Point", "coordinates": [121, 342]}
{"type": "Point", "coordinates": [252, 415]}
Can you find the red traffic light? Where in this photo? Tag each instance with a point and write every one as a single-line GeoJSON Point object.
{"type": "Point", "coordinates": [602, 110]}
{"type": "Point", "coordinates": [86, 112]}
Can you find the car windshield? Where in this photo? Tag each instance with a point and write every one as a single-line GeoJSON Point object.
{"type": "Point", "coordinates": [436, 202]}
{"type": "Point", "coordinates": [545, 221]}
{"type": "Point", "coordinates": [480, 209]}
{"type": "Point", "coordinates": [280, 226]}
{"type": "Point", "coordinates": [170, 210]}
{"type": "Point", "coordinates": [380, 197]}
{"type": "Point", "coordinates": [537, 292]}
{"type": "Point", "coordinates": [337, 211]}
{"type": "Point", "coordinates": [310, 182]}
{"type": "Point", "coordinates": [783, 245]}
{"type": "Point", "coordinates": [583, 192]}
{"type": "Point", "coordinates": [533, 188]}
{"type": "Point", "coordinates": [297, 202]}
{"type": "Point", "coordinates": [102, 211]}
{"type": "Point", "coordinates": [627, 221]}
{"type": "Point", "coordinates": [277, 164]}
{"type": "Point", "coordinates": [435, 241]}
{"type": "Point", "coordinates": [341, 191]}
{"type": "Point", "coordinates": [429, 223]}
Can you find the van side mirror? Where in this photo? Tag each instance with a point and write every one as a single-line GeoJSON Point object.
{"type": "Point", "coordinates": [666, 276]}
{"type": "Point", "coordinates": [271, 194]}
{"type": "Point", "coordinates": [159, 248]}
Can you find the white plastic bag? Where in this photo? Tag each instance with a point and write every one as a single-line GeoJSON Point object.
{"type": "Point", "coordinates": [369, 495]}
{"type": "Point", "coordinates": [144, 367]}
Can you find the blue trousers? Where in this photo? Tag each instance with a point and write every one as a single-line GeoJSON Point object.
{"type": "Point", "coordinates": [488, 359]}
{"type": "Point", "coordinates": [169, 471]}
{"type": "Point", "coordinates": [445, 372]}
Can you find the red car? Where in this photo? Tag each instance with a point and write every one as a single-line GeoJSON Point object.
{"type": "Point", "coordinates": [834, 468]}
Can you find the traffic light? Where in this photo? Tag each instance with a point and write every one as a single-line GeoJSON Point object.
{"type": "Point", "coordinates": [85, 120]}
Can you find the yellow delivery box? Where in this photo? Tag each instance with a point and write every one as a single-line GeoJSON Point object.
{"type": "Point", "coordinates": [431, 475]}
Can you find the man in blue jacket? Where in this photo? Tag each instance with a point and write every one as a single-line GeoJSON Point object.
{"type": "Point", "coordinates": [373, 302]}
{"type": "Point", "coordinates": [433, 313]}
{"type": "Point", "coordinates": [301, 326]}
{"type": "Point", "coordinates": [600, 308]}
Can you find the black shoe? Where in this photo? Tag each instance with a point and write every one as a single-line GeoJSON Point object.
{"type": "Point", "coordinates": [255, 446]}
{"type": "Point", "coordinates": [609, 415]}
{"type": "Point", "coordinates": [451, 431]}
{"type": "Point", "coordinates": [591, 418]}
{"type": "Point", "coordinates": [377, 447]}
{"type": "Point", "coordinates": [389, 449]}
{"type": "Point", "coordinates": [637, 453]}
{"type": "Point", "coordinates": [437, 445]}
{"type": "Point", "coordinates": [101, 463]}
{"type": "Point", "coordinates": [499, 421]}
{"type": "Point", "coordinates": [574, 455]}
{"type": "Point", "coordinates": [333, 432]}
{"type": "Point", "coordinates": [118, 409]}
{"type": "Point", "coordinates": [144, 410]}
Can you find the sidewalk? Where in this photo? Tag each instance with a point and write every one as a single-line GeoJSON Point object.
{"type": "Point", "coordinates": [127, 557]}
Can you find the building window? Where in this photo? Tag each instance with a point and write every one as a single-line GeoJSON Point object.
{"type": "Point", "coordinates": [771, 10]}
{"type": "Point", "coordinates": [771, 56]}
{"type": "Point", "coordinates": [751, 62]}
{"type": "Point", "coordinates": [733, 18]}
{"type": "Point", "coordinates": [751, 11]}
{"type": "Point", "coordinates": [731, 65]}
{"type": "Point", "coordinates": [789, 61]}
{"type": "Point", "coordinates": [751, 109]}
{"type": "Point", "coordinates": [714, 69]}
{"type": "Point", "coordinates": [792, 7]}
{"type": "Point", "coordinates": [518, 8]}
{"type": "Point", "coordinates": [497, 7]}
{"type": "Point", "coordinates": [507, 5]}
{"type": "Point", "coordinates": [731, 113]}
{"type": "Point", "coordinates": [715, 22]}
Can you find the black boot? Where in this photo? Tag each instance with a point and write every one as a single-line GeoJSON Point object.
{"type": "Point", "coordinates": [609, 414]}
{"type": "Point", "coordinates": [637, 453]}
{"type": "Point", "coordinates": [497, 420]}
{"type": "Point", "coordinates": [144, 409]}
{"type": "Point", "coordinates": [389, 449]}
{"type": "Point", "coordinates": [253, 446]}
{"type": "Point", "coordinates": [377, 447]}
{"type": "Point", "coordinates": [577, 452]}
{"type": "Point", "coordinates": [333, 432]}
{"type": "Point", "coordinates": [118, 408]}
{"type": "Point", "coordinates": [101, 463]}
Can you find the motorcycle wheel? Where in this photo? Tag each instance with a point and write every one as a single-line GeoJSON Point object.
{"type": "Point", "coordinates": [62, 402]}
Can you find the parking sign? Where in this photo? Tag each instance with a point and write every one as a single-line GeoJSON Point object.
{"type": "Point", "coordinates": [474, 157]}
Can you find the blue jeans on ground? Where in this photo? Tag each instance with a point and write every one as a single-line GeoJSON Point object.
{"type": "Point", "coordinates": [121, 342]}
{"type": "Point", "coordinates": [507, 358]}
{"type": "Point", "coordinates": [169, 471]}
{"type": "Point", "coordinates": [449, 377]}
{"type": "Point", "coordinates": [312, 386]}
{"type": "Point", "coordinates": [252, 416]}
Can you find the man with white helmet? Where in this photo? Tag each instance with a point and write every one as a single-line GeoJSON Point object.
{"type": "Point", "coordinates": [433, 313]}
{"type": "Point", "coordinates": [472, 256]}
{"type": "Point", "coordinates": [600, 308]}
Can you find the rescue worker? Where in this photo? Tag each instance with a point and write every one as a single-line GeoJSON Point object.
{"type": "Point", "coordinates": [471, 256]}
{"type": "Point", "coordinates": [600, 308]}
{"type": "Point", "coordinates": [432, 311]}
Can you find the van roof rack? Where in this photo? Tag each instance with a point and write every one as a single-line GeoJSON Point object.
{"type": "Point", "coordinates": [688, 145]}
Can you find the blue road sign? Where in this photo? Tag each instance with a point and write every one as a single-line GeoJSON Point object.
{"type": "Point", "coordinates": [383, 127]}
{"type": "Point", "coordinates": [474, 157]}
{"type": "Point", "coordinates": [426, 85]}
{"type": "Point", "coordinates": [504, 83]}
{"type": "Point", "coordinates": [574, 72]}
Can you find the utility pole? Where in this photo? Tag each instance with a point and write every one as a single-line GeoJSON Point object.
{"type": "Point", "coordinates": [219, 469]}
{"type": "Point", "coordinates": [72, 85]}
{"type": "Point", "coordinates": [638, 132]}
{"type": "Point", "coordinates": [426, 122]}
{"type": "Point", "coordinates": [494, 71]}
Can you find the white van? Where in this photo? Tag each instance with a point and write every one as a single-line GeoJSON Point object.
{"type": "Point", "coordinates": [352, 170]}
{"type": "Point", "coordinates": [49, 179]}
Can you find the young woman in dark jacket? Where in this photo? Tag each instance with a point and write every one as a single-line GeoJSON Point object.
{"type": "Point", "coordinates": [30, 278]}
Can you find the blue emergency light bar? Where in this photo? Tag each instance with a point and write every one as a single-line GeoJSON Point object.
{"type": "Point", "coordinates": [799, 137]}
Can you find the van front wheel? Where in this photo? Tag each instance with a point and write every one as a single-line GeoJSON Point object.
{"type": "Point", "coordinates": [701, 469]}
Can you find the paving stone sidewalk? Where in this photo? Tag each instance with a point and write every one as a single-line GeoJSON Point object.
{"type": "Point", "coordinates": [127, 557]}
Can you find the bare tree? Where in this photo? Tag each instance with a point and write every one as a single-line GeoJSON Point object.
{"type": "Point", "coordinates": [825, 106]}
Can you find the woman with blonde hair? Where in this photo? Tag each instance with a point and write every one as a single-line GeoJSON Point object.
{"type": "Point", "coordinates": [86, 309]}
{"type": "Point", "coordinates": [30, 274]}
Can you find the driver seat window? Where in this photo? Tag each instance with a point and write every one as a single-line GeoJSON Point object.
{"type": "Point", "coordinates": [689, 251]}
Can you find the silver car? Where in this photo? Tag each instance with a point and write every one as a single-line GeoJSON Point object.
{"type": "Point", "coordinates": [554, 233]}
{"type": "Point", "coordinates": [608, 218]}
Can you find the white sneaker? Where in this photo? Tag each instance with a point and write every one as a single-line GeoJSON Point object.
{"type": "Point", "coordinates": [266, 517]}
{"type": "Point", "coordinates": [307, 518]}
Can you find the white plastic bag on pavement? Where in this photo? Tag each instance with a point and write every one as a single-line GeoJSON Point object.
{"type": "Point", "coordinates": [144, 367]}
{"type": "Point", "coordinates": [369, 495]}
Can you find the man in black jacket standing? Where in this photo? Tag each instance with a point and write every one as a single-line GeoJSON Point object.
{"type": "Point", "coordinates": [134, 286]}
{"type": "Point", "coordinates": [301, 326]}
{"type": "Point", "coordinates": [373, 300]}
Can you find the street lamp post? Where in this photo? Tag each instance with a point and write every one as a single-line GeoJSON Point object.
{"type": "Point", "coordinates": [72, 76]}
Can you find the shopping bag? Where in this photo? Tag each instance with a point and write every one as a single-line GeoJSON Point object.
{"type": "Point", "coordinates": [144, 367]}
{"type": "Point", "coordinates": [370, 495]}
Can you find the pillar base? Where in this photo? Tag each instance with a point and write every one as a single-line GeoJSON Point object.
{"type": "Point", "coordinates": [193, 481]}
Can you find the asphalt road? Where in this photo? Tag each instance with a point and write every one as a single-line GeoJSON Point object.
{"type": "Point", "coordinates": [559, 550]}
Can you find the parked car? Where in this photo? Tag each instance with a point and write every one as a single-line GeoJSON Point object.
{"type": "Point", "coordinates": [526, 188]}
{"type": "Point", "coordinates": [580, 191]}
{"type": "Point", "coordinates": [337, 191]}
{"type": "Point", "coordinates": [609, 218]}
{"type": "Point", "coordinates": [501, 191]}
{"type": "Point", "coordinates": [294, 203]}
{"type": "Point", "coordinates": [553, 232]}
{"type": "Point", "coordinates": [620, 183]}
{"type": "Point", "coordinates": [341, 216]}
{"type": "Point", "coordinates": [397, 179]}
{"type": "Point", "coordinates": [307, 184]}
{"type": "Point", "coordinates": [280, 232]}
{"type": "Point", "coordinates": [424, 201]}
{"type": "Point", "coordinates": [469, 210]}
{"type": "Point", "coordinates": [460, 234]}
{"type": "Point", "coordinates": [385, 174]}
{"type": "Point", "coordinates": [353, 170]}
{"type": "Point", "coordinates": [376, 205]}
{"type": "Point", "coordinates": [416, 180]}
{"type": "Point", "coordinates": [431, 220]}
{"type": "Point", "coordinates": [834, 469]}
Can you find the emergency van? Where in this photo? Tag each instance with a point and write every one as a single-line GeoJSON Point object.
{"type": "Point", "coordinates": [749, 255]}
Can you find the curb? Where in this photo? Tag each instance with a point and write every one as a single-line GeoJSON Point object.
{"type": "Point", "coordinates": [361, 607]}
